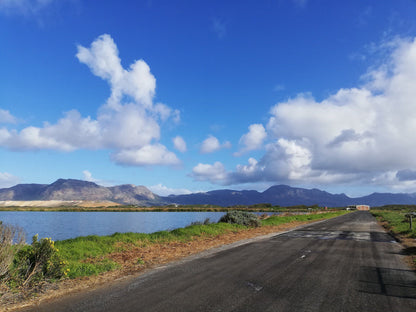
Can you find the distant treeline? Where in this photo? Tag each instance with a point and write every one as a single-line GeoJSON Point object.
{"type": "Point", "coordinates": [396, 207]}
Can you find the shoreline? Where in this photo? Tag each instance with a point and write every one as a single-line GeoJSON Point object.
{"type": "Point", "coordinates": [154, 256]}
{"type": "Point", "coordinates": [190, 208]}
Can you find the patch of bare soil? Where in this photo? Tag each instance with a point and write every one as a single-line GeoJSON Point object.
{"type": "Point", "coordinates": [135, 261]}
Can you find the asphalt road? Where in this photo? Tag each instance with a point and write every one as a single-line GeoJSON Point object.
{"type": "Point", "coordinates": [345, 264]}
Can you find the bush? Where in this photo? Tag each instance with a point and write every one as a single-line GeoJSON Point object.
{"type": "Point", "coordinates": [241, 218]}
{"type": "Point", "coordinates": [37, 262]}
{"type": "Point", "coordinates": [12, 239]}
{"type": "Point", "coordinates": [207, 221]}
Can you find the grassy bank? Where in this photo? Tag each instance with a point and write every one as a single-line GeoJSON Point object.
{"type": "Point", "coordinates": [397, 224]}
{"type": "Point", "coordinates": [90, 254]}
{"type": "Point", "coordinates": [93, 254]}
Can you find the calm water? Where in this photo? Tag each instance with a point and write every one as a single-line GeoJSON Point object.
{"type": "Point", "coordinates": [63, 225]}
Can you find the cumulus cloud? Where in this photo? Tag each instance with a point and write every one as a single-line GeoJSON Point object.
{"type": "Point", "coordinates": [8, 180]}
{"type": "Point", "coordinates": [87, 175]}
{"type": "Point", "coordinates": [103, 60]}
{"type": "Point", "coordinates": [163, 190]}
{"type": "Point", "coordinates": [179, 144]}
{"type": "Point", "coordinates": [215, 173]}
{"type": "Point", "coordinates": [252, 140]}
{"type": "Point", "coordinates": [128, 123]}
{"type": "Point", "coordinates": [6, 117]}
{"type": "Point", "coordinates": [212, 144]}
{"type": "Point", "coordinates": [358, 134]}
{"type": "Point", "coordinates": [156, 154]}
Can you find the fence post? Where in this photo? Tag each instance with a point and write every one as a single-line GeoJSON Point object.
{"type": "Point", "coordinates": [410, 216]}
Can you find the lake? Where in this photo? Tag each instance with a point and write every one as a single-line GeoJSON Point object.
{"type": "Point", "coordinates": [63, 225]}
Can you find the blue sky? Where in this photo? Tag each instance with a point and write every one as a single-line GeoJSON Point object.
{"type": "Point", "coordinates": [185, 96]}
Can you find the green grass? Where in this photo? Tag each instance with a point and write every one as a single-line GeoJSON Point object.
{"type": "Point", "coordinates": [89, 255]}
{"type": "Point", "coordinates": [79, 250]}
{"type": "Point", "coordinates": [396, 222]}
{"type": "Point", "coordinates": [276, 220]}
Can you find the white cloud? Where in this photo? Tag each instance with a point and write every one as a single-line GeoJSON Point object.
{"type": "Point", "coordinates": [103, 60]}
{"type": "Point", "coordinates": [252, 140]}
{"type": "Point", "coordinates": [147, 155]}
{"type": "Point", "coordinates": [355, 135]}
{"type": "Point", "coordinates": [211, 144]}
{"type": "Point", "coordinates": [8, 180]}
{"type": "Point", "coordinates": [215, 173]}
{"type": "Point", "coordinates": [88, 176]}
{"type": "Point", "coordinates": [179, 144]}
{"type": "Point", "coordinates": [163, 190]}
{"type": "Point", "coordinates": [6, 117]}
{"type": "Point", "coordinates": [128, 123]}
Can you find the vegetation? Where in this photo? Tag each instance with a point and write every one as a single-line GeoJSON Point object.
{"type": "Point", "coordinates": [277, 220]}
{"type": "Point", "coordinates": [45, 260]}
{"type": "Point", "coordinates": [172, 208]}
{"type": "Point", "coordinates": [396, 221]}
{"type": "Point", "coordinates": [12, 238]}
{"type": "Point", "coordinates": [26, 265]}
{"type": "Point", "coordinates": [401, 208]}
{"type": "Point", "coordinates": [89, 255]}
{"type": "Point", "coordinates": [241, 218]}
{"type": "Point", "coordinates": [37, 262]}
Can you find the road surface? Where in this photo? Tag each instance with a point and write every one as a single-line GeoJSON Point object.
{"type": "Point", "coordinates": [344, 264]}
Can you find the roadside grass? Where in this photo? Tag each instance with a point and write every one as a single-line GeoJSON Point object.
{"type": "Point", "coordinates": [396, 222]}
{"type": "Point", "coordinates": [277, 220]}
{"type": "Point", "coordinates": [90, 255]}
{"type": "Point", "coordinates": [398, 225]}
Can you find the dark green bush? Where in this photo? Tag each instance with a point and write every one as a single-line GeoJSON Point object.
{"type": "Point", "coordinates": [241, 218]}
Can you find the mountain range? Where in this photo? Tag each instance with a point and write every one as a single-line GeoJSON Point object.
{"type": "Point", "coordinates": [70, 189]}
{"type": "Point", "coordinates": [128, 194]}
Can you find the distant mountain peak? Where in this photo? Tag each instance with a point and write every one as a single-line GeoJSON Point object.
{"type": "Point", "coordinates": [72, 189]}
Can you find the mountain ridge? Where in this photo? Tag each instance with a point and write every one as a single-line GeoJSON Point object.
{"type": "Point", "coordinates": [129, 194]}
{"type": "Point", "coordinates": [71, 189]}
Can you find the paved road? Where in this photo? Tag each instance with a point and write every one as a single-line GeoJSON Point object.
{"type": "Point", "coordinates": [345, 264]}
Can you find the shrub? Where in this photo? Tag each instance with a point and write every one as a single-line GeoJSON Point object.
{"type": "Point", "coordinates": [242, 218]}
{"type": "Point", "coordinates": [207, 221]}
{"type": "Point", "coordinates": [12, 239]}
{"type": "Point", "coordinates": [36, 262]}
